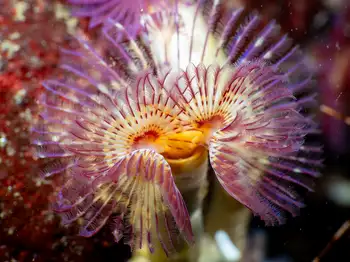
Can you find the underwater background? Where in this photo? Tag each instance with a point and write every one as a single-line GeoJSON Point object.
{"type": "Point", "coordinates": [31, 35]}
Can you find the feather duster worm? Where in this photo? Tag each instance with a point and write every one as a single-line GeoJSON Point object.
{"type": "Point", "coordinates": [122, 122]}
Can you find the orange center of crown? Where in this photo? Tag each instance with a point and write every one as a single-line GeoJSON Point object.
{"type": "Point", "coordinates": [146, 138]}
{"type": "Point", "coordinates": [184, 150]}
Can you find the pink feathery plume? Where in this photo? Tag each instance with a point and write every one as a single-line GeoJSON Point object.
{"type": "Point", "coordinates": [106, 132]}
{"type": "Point", "coordinates": [251, 90]}
{"type": "Point", "coordinates": [255, 133]}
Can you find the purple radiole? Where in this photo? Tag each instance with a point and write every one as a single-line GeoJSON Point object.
{"type": "Point", "coordinates": [126, 12]}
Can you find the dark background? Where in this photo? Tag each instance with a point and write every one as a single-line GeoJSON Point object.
{"type": "Point", "coordinates": [28, 232]}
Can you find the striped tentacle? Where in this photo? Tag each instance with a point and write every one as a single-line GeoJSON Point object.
{"type": "Point", "coordinates": [254, 132]}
